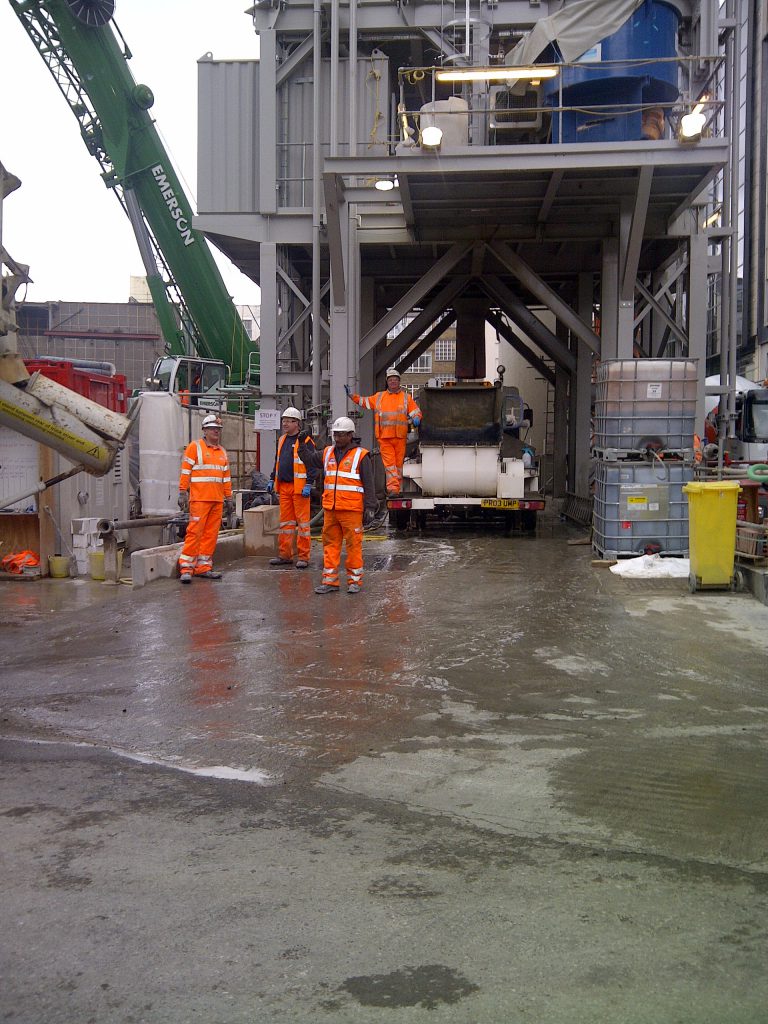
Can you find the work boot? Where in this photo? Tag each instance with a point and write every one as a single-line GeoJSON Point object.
{"type": "Point", "coordinates": [210, 575]}
{"type": "Point", "coordinates": [185, 577]}
{"type": "Point", "coordinates": [353, 588]}
{"type": "Point", "coordinates": [325, 588]}
{"type": "Point", "coordinates": [301, 564]}
{"type": "Point", "coordinates": [280, 561]}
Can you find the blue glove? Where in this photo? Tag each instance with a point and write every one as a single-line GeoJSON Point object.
{"type": "Point", "coordinates": [270, 487]}
{"type": "Point", "coordinates": [348, 390]}
{"type": "Point", "coordinates": [416, 421]}
{"type": "Point", "coordinates": [306, 490]}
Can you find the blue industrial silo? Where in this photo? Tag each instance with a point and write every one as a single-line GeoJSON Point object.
{"type": "Point", "coordinates": [590, 85]}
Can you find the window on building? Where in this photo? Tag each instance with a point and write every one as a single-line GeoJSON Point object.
{"type": "Point", "coordinates": [411, 389]}
{"type": "Point", "coordinates": [421, 365]}
{"type": "Point", "coordinates": [444, 378]}
{"type": "Point", "coordinates": [445, 350]}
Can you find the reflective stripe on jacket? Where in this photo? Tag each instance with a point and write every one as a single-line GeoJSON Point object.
{"type": "Point", "coordinates": [391, 411]}
{"type": "Point", "coordinates": [343, 488]}
{"type": "Point", "coordinates": [205, 472]}
{"type": "Point", "coordinates": [299, 469]}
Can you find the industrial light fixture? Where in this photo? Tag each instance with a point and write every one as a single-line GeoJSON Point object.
{"type": "Point", "coordinates": [691, 127]}
{"type": "Point", "coordinates": [384, 184]}
{"type": "Point", "coordinates": [496, 74]}
{"type": "Point", "coordinates": [692, 123]}
{"type": "Point", "coordinates": [713, 218]}
{"type": "Point", "coordinates": [431, 137]}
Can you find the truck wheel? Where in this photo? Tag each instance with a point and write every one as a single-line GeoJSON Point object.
{"type": "Point", "coordinates": [528, 520]}
{"type": "Point", "coordinates": [399, 518]}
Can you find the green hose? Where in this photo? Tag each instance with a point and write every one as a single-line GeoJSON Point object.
{"type": "Point", "coordinates": [758, 472]}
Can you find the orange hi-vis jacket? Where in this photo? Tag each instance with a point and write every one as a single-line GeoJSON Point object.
{"type": "Point", "coordinates": [343, 488]}
{"type": "Point", "coordinates": [391, 412]}
{"type": "Point", "coordinates": [205, 472]}
{"type": "Point", "coordinates": [299, 469]}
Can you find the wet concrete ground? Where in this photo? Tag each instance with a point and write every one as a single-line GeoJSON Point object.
{"type": "Point", "coordinates": [500, 785]}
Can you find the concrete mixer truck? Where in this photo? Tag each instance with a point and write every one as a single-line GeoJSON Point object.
{"type": "Point", "coordinates": [469, 463]}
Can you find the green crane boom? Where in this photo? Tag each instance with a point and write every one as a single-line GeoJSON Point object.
{"type": "Point", "coordinates": [77, 41]}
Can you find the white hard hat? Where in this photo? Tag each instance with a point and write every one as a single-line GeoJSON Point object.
{"type": "Point", "coordinates": [293, 414]}
{"type": "Point", "coordinates": [393, 372]}
{"type": "Point", "coordinates": [343, 425]}
{"type": "Point", "coordinates": [211, 421]}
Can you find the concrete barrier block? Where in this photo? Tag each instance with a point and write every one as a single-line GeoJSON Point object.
{"type": "Point", "coordinates": [261, 526]}
{"type": "Point", "coordinates": [162, 562]}
{"type": "Point", "coordinates": [154, 564]}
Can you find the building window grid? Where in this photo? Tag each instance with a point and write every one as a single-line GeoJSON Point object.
{"type": "Point", "coordinates": [421, 365]}
{"type": "Point", "coordinates": [445, 350]}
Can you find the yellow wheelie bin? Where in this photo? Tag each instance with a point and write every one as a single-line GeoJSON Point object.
{"type": "Point", "coordinates": [712, 533]}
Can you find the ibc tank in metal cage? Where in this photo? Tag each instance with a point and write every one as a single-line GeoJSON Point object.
{"type": "Point", "coordinates": [606, 99]}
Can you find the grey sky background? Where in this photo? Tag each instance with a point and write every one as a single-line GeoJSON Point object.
{"type": "Point", "coordinates": [63, 222]}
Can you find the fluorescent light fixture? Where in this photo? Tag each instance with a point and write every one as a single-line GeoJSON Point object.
{"type": "Point", "coordinates": [691, 127]}
{"type": "Point", "coordinates": [496, 74]}
{"type": "Point", "coordinates": [431, 137]}
{"type": "Point", "coordinates": [712, 219]}
{"type": "Point", "coordinates": [384, 184]}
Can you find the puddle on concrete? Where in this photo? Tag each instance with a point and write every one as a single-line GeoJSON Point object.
{"type": "Point", "coordinates": [427, 986]}
{"type": "Point", "coordinates": [390, 563]}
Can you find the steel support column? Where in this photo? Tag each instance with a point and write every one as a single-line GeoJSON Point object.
{"type": "Point", "coordinates": [560, 432]}
{"type": "Point", "coordinates": [609, 299]}
{"type": "Point", "coordinates": [697, 315]}
{"type": "Point", "coordinates": [270, 304]}
{"type": "Point", "coordinates": [581, 398]}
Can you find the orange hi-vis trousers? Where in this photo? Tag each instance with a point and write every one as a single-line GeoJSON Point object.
{"type": "Point", "coordinates": [200, 540]}
{"type": "Point", "coordinates": [342, 528]}
{"type": "Point", "coordinates": [294, 522]}
{"type": "Point", "coordinates": [392, 451]}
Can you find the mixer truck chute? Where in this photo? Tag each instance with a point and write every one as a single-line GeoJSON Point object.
{"type": "Point", "coordinates": [89, 63]}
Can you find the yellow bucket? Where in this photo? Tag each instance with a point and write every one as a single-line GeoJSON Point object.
{"type": "Point", "coordinates": [58, 566]}
{"type": "Point", "coordinates": [96, 564]}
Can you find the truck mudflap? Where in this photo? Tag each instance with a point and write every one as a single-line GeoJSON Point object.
{"type": "Point", "coordinates": [501, 504]}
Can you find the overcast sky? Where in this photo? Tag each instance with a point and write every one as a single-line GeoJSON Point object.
{"type": "Point", "coordinates": [63, 222]}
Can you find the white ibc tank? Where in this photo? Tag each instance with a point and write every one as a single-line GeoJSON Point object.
{"type": "Point", "coordinates": [459, 471]}
{"type": "Point", "coordinates": [163, 428]}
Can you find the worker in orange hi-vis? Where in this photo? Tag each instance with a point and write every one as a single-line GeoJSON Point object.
{"type": "Point", "coordinates": [293, 483]}
{"type": "Point", "coordinates": [393, 409]}
{"type": "Point", "coordinates": [349, 502]}
{"type": "Point", "coordinates": [205, 488]}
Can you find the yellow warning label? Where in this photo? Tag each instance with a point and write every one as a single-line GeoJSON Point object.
{"type": "Point", "coordinates": [639, 500]}
{"type": "Point", "coordinates": [54, 430]}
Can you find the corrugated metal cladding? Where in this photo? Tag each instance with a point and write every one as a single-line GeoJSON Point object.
{"type": "Point", "coordinates": [228, 129]}
{"type": "Point", "coordinates": [228, 138]}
